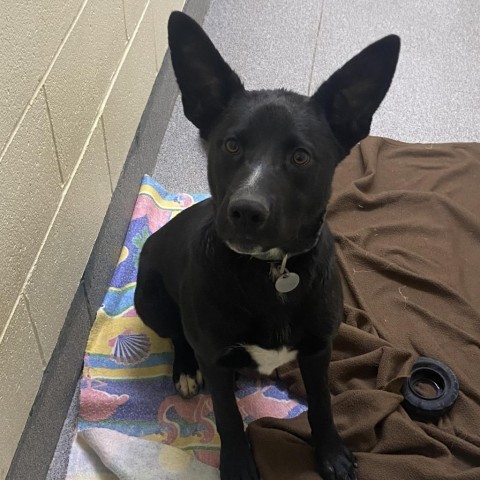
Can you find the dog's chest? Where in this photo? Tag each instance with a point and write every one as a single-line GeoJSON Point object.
{"type": "Point", "coordinates": [267, 360]}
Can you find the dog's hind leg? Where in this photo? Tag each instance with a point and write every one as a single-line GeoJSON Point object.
{"type": "Point", "coordinates": [159, 311]}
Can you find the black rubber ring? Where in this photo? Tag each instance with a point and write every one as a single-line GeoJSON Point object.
{"type": "Point", "coordinates": [430, 391]}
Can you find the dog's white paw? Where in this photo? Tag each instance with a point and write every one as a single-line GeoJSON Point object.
{"type": "Point", "coordinates": [199, 378]}
{"type": "Point", "coordinates": [188, 386]}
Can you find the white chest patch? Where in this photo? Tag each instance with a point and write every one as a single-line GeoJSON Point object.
{"type": "Point", "coordinates": [269, 360]}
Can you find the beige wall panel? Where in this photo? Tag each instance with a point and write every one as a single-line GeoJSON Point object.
{"type": "Point", "coordinates": [161, 11]}
{"type": "Point", "coordinates": [30, 35]}
{"type": "Point", "coordinates": [129, 96]}
{"type": "Point", "coordinates": [133, 11]}
{"type": "Point", "coordinates": [63, 259]}
{"type": "Point", "coordinates": [29, 194]}
{"type": "Point", "coordinates": [20, 377]}
{"type": "Point", "coordinates": [80, 78]}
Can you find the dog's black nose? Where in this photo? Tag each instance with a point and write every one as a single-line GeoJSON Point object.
{"type": "Point", "coordinates": [248, 214]}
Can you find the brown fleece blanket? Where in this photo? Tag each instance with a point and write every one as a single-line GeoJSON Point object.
{"type": "Point", "coordinates": [406, 220]}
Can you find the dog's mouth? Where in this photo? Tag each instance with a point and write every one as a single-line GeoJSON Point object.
{"type": "Point", "coordinates": [256, 251]}
{"type": "Point", "coordinates": [265, 250]}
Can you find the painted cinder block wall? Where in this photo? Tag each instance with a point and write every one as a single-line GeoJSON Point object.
{"type": "Point", "coordinates": [75, 76]}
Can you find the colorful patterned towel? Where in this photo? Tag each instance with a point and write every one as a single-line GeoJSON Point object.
{"type": "Point", "coordinates": [127, 383]}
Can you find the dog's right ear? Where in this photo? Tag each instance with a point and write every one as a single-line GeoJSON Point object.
{"type": "Point", "coordinates": [206, 82]}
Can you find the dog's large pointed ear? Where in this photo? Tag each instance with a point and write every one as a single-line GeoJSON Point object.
{"type": "Point", "coordinates": [350, 97]}
{"type": "Point", "coordinates": [206, 82]}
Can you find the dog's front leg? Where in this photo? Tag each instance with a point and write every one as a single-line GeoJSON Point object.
{"type": "Point", "coordinates": [236, 461]}
{"type": "Point", "coordinates": [334, 459]}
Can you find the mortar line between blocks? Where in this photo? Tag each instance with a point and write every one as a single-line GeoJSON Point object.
{"type": "Point", "coordinates": [125, 20]}
{"type": "Point", "coordinates": [102, 123]}
{"type": "Point", "coordinates": [155, 34]}
{"type": "Point", "coordinates": [62, 180]}
{"type": "Point", "coordinates": [35, 331]}
{"type": "Point", "coordinates": [316, 46]}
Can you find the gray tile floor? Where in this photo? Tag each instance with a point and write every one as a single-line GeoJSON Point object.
{"type": "Point", "coordinates": [435, 96]}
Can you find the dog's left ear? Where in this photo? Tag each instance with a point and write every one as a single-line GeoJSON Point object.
{"type": "Point", "coordinates": [206, 81]}
{"type": "Point", "coordinates": [350, 97]}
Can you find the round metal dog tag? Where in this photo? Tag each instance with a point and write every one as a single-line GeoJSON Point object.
{"type": "Point", "coordinates": [287, 282]}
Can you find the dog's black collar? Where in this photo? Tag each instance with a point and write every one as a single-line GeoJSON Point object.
{"type": "Point", "coordinates": [317, 239]}
{"type": "Point", "coordinates": [295, 254]}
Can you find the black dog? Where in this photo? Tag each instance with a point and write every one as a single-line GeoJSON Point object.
{"type": "Point", "coordinates": [248, 278]}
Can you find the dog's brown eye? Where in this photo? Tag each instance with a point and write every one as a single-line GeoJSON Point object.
{"type": "Point", "coordinates": [300, 157]}
{"type": "Point", "coordinates": [232, 146]}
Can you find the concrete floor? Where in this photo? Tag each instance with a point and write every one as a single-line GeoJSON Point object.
{"type": "Point", "coordinates": [435, 95]}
